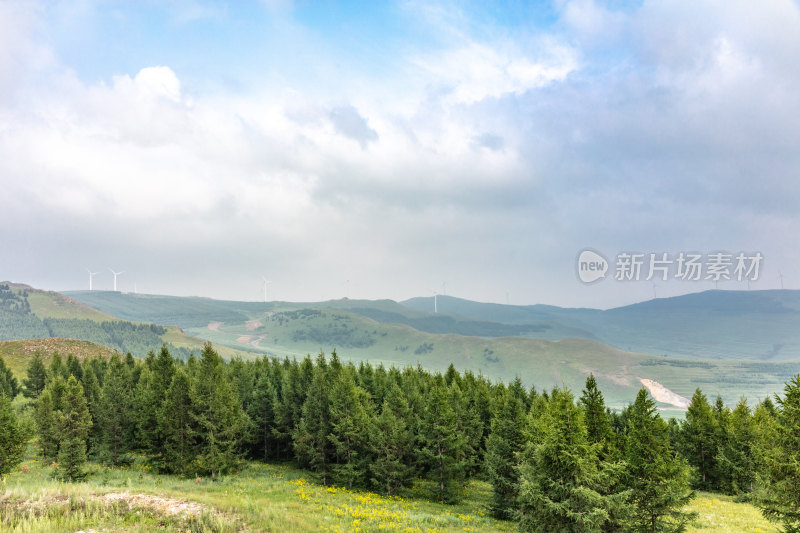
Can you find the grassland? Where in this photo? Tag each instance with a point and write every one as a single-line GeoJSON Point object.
{"type": "Point", "coordinates": [17, 354]}
{"type": "Point", "coordinates": [260, 498]}
{"type": "Point", "coordinates": [266, 497]}
{"type": "Point", "coordinates": [55, 305]}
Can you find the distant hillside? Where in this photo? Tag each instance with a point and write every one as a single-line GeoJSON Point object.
{"type": "Point", "coordinates": [16, 354]}
{"type": "Point", "coordinates": [757, 325]}
{"type": "Point", "coordinates": [394, 334]}
{"type": "Point", "coordinates": [28, 313]}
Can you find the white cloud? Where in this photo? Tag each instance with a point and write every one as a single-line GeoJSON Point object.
{"type": "Point", "coordinates": [477, 71]}
{"type": "Point", "coordinates": [480, 154]}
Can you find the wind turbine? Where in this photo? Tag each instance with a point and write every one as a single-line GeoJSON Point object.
{"type": "Point", "coordinates": [115, 278]}
{"type": "Point", "coordinates": [780, 276]}
{"type": "Point", "coordinates": [91, 274]}
{"type": "Point", "coordinates": [435, 302]}
{"type": "Point", "coordinates": [265, 287]}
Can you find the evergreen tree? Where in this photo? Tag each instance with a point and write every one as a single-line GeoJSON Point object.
{"type": "Point", "coordinates": [175, 423]}
{"type": "Point", "coordinates": [8, 383]}
{"type": "Point", "coordinates": [146, 400]}
{"type": "Point", "coordinates": [781, 501]}
{"type": "Point", "coordinates": [73, 424]}
{"type": "Point", "coordinates": [73, 367]}
{"type": "Point", "coordinates": [505, 442]}
{"type": "Point", "coordinates": [698, 441]}
{"type": "Point", "coordinates": [392, 443]}
{"type": "Point", "coordinates": [155, 379]}
{"type": "Point", "coordinates": [46, 415]}
{"type": "Point", "coordinates": [94, 396]}
{"type": "Point", "coordinates": [217, 415]}
{"type": "Point", "coordinates": [36, 377]}
{"type": "Point", "coordinates": [261, 411]}
{"type": "Point", "coordinates": [735, 460]}
{"type": "Point", "coordinates": [311, 443]}
{"type": "Point", "coordinates": [351, 419]}
{"type": "Point", "coordinates": [477, 421]}
{"type": "Point", "coordinates": [163, 369]}
{"type": "Point", "coordinates": [57, 368]}
{"type": "Point", "coordinates": [560, 476]}
{"type": "Point", "coordinates": [765, 434]}
{"type": "Point", "coordinates": [117, 414]}
{"type": "Point", "coordinates": [444, 447]}
{"type": "Point", "coordinates": [598, 426]}
{"type": "Point", "coordinates": [722, 417]}
{"type": "Point", "coordinates": [12, 437]}
{"type": "Point", "coordinates": [659, 481]}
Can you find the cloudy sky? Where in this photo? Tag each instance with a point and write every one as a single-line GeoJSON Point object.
{"type": "Point", "coordinates": [383, 149]}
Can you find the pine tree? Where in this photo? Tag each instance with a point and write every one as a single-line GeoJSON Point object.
{"type": "Point", "coordinates": [350, 418]}
{"type": "Point", "coordinates": [217, 415]}
{"type": "Point", "coordinates": [146, 400]}
{"type": "Point", "coordinates": [46, 415]}
{"type": "Point", "coordinates": [176, 425]}
{"type": "Point", "coordinates": [765, 434]}
{"type": "Point", "coordinates": [505, 442]}
{"type": "Point", "coordinates": [289, 408]}
{"type": "Point", "coordinates": [73, 367]}
{"type": "Point", "coordinates": [735, 460]}
{"type": "Point", "coordinates": [261, 411]}
{"type": "Point", "coordinates": [57, 368]}
{"type": "Point", "coordinates": [94, 396]}
{"type": "Point", "coordinates": [598, 426]}
{"type": "Point", "coordinates": [311, 443]}
{"type": "Point", "coordinates": [163, 369]}
{"type": "Point", "coordinates": [392, 443]}
{"type": "Point", "coordinates": [73, 430]}
{"type": "Point", "coordinates": [12, 437]}
{"type": "Point", "coordinates": [154, 381]}
{"type": "Point", "coordinates": [781, 501]}
{"type": "Point", "coordinates": [659, 481]}
{"type": "Point", "coordinates": [560, 476]}
{"type": "Point", "coordinates": [36, 377]}
{"type": "Point", "coordinates": [8, 383]}
{"type": "Point", "coordinates": [444, 447]}
{"type": "Point", "coordinates": [698, 440]}
{"type": "Point", "coordinates": [117, 412]}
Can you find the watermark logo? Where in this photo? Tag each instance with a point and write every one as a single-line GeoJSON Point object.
{"type": "Point", "coordinates": [684, 266]}
{"type": "Point", "coordinates": [591, 266]}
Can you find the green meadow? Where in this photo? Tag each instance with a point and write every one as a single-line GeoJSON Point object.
{"type": "Point", "coordinates": [266, 497]}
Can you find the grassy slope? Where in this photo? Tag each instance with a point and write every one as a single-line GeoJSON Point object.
{"type": "Point", "coordinates": [537, 361]}
{"type": "Point", "coordinates": [16, 354]}
{"type": "Point", "coordinates": [47, 304]}
{"type": "Point", "coordinates": [758, 325]}
{"type": "Point", "coordinates": [260, 498]}
{"type": "Point", "coordinates": [267, 498]}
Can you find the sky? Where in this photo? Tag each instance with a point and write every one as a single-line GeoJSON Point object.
{"type": "Point", "coordinates": [393, 149]}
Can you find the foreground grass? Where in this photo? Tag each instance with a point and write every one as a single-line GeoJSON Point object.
{"type": "Point", "coordinates": [267, 498]}
{"type": "Point", "coordinates": [260, 498]}
{"type": "Point", "coordinates": [721, 514]}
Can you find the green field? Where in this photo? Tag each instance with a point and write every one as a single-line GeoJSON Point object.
{"type": "Point", "coordinates": [17, 354]}
{"type": "Point", "coordinates": [266, 497]}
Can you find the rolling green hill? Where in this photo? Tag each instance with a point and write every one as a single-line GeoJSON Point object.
{"type": "Point", "coordinates": [757, 325]}
{"type": "Point", "coordinates": [387, 332]}
{"type": "Point", "coordinates": [16, 354]}
{"type": "Point", "coordinates": [27, 313]}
